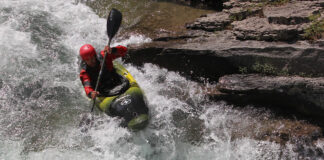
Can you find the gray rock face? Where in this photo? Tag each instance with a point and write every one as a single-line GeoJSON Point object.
{"type": "Point", "coordinates": [292, 14]}
{"type": "Point", "coordinates": [221, 54]}
{"type": "Point", "coordinates": [255, 28]}
{"type": "Point", "coordinates": [270, 23]}
{"type": "Point", "coordinates": [303, 94]}
{"type": "Point", "coordinates": [220, 20]}
{"type": "Point", "coordinates": [239, 13]}
{"type": "Point", "coordinates": [211, 22]}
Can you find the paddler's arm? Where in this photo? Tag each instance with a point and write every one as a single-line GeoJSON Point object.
{"type": "Point", "coordinates": [84, 77]}
{"type": "Point", "coordinates": [116, 52]}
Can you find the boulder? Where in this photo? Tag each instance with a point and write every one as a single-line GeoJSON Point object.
{"type": "Point", "coordinates": [305, 95]}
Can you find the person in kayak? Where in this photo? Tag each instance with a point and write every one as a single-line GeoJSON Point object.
{"type": "Point", "coordinates": [90, 68]}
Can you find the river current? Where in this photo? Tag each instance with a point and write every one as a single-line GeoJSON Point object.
{"type": "Point", "coordinates": [42, 100]}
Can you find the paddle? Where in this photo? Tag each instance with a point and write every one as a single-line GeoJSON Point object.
{"type": "Point", "coordinates": [113, 23]}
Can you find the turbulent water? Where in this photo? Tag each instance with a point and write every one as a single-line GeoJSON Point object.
{"type": "Point", "coordinates": [42, 100]}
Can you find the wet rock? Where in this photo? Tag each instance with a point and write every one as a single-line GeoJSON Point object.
{"type": "Point", "coordinates": [285, 130]}
{"type": "Point", "coordinates": [56, 92]}
{"type": "Point", "coordinates": [305, 95]}
{"type": "Point", "coordinates": [28, 89]}
{"type": "Point", "coordinates": [191, 127]}
{"type": "Point", "coordinates": [220, 54]}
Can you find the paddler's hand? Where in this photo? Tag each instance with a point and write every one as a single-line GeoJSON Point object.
{"type": "Point", "coordinates": [106, 49]}
{"type": "Point", "coordinates": [94, 94]}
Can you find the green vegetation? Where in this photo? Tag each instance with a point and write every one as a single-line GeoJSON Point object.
{"type": "Point", "coordinates": [314, 17]}
{"type": "Point", "coordinates": [277, 2]}
{"type": "Point", "coordinates": [243, 70]}
{"type": "Point", "coordinates": [269, 69]}
{"type": "Point", "coordinates": [316, 29]}
{"type": "Point", "coordinates": [236, 17]}
{"type": "Point", "coordinates": [265, 68]}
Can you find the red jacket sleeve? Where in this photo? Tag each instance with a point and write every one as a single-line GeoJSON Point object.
{"type": "Point", "coordinates": [85, 79]}
{"type": "Point", "coordinates": [118, 51]}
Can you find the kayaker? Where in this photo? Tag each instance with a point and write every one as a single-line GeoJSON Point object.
{"type": "Point", "coordinates": [90, 68]}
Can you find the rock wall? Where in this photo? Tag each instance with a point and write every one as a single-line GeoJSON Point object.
{"type": "Point", "coordinates": [256, 51]}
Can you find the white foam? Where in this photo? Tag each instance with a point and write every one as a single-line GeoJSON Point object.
{"type": "Point", "coordinates": [10, 149]}
{"type": "Point", "coordinates": [14, 44]}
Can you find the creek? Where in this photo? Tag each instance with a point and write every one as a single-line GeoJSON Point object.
{"type": "Point", "coordinates": [42, 99]}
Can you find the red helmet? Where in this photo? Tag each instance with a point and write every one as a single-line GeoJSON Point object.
{"type": "Point", "coordinates": [87, 51]}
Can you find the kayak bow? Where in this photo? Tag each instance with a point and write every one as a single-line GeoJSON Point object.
{"type": "Point", "coordinates": [130, 105]}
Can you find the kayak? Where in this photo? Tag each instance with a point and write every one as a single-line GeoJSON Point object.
{"type": "Point", "coordinates": [130, 105]}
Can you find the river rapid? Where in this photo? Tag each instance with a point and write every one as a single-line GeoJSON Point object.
{"type": "Point", "coordinates": [42, 100]}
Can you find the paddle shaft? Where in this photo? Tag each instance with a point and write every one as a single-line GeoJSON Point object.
{"type": "Point", "coordinates": [100, 73]}
{"type": "Point", "coordinates": [113, 22]}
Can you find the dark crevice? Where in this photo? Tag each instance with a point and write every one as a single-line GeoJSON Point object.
{"type": "Point", "coordinates": [191, 65]}
{"type": "Point", "coordinates": [204, 4]}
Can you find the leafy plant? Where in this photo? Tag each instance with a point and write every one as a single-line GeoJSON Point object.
{"type": "Point", "coordinates": [316, 29]}
{"type": "Point", "coordinates": [314, 17]}
{"type": "Point", "coordinates": [243, 70]}
{"type": "Point", "coordinates": [236, 17]}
